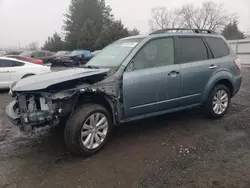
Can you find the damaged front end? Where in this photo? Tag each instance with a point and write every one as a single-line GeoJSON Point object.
{"type": "Point", "coordinates": [40, 109]}
{"type": "Point", "coordinates": [56, 97]}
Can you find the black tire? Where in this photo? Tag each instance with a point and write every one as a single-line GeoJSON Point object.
{"type": "Point", "coordinates": [209, 103]}
{"type": "Point", "coordinates": [27, 75]}
{"type": "Point", "coordinates": [72, 132]}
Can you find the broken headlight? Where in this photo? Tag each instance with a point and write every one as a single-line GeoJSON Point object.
{"type": "Point", "coordinates": [62, 95]}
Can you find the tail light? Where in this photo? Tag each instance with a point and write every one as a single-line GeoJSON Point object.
{"type": "Point", "coordinates": [238, 63]}
{"type": "Point", "coordinates": [40, 62]}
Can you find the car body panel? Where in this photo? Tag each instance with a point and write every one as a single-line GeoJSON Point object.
{"type": "Point", "coordinates": [5, 78]}
{"type": "Point", "coordinates": [45, 80]}
{"type": "Point", "coordinates": [150, 90]}
{"type": "Point", "coordinates": [28, 59]}
{"type": "Point", "coordinates": [9, 75]}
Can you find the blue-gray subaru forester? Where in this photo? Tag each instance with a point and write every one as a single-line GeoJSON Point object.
{"type": "Point", "coordinates": [131, 79]}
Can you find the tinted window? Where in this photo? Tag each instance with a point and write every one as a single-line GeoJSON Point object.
{"type": "Point", "coordinates": [192, 49]}
{"type": "Point", "coordinates": [38, 54]}
{"type": "Point", "coordinates": [159, 52]}
{"type": "Point", "coordinates": [27, 54]}
{"type": "Point", "coordinates": [8, 63]}
{"type": "Point", "coordinates": [218, 47]}
{"type": "Point", "coordinates": [49, 53]}
{"type": "Point", "coordinates": [16, 64]}
{"type": "Point", "coordinates": [5, 63]}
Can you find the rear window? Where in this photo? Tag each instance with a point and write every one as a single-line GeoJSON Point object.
{"type": "Point", "coordinates": [192, 49]}
{"type": "Point", "coordinates": [218, 46]}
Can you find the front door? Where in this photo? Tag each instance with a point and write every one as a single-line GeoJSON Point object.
{"type": "Point", "coordinates": [153, 82]}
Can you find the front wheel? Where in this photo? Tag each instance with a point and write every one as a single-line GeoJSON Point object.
{"type": "Point", "coordinates": [218, 102]}
{"type": "Point", "coordinates": [88, 129]}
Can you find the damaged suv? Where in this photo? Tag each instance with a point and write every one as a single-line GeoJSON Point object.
{"type": "Point", "coordinates": [131, 79]}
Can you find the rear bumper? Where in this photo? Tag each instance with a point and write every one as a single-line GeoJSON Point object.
{"type": "Point", "coordinates": [237, 84]}
{"type": "Point", "coordinates": [13, 117]}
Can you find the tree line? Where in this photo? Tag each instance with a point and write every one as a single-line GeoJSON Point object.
{"type": "Point", "coordinates": [90, 24]}
{"type": "Point", "coordinates": [209, 16]}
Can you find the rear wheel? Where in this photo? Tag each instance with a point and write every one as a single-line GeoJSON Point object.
{"type": "Point", "coordinates": [218, 102]}
{"type": "Point", "coordinates": [88, 129]}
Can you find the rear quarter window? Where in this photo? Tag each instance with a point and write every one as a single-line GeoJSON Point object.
{"type": "Point", "coordinates": [218, 46]}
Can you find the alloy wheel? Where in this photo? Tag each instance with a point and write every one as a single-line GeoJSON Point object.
{"type": "Point", "coordinates": [220, 102]}
{"type": "Point", "coordinates": [94, 130]}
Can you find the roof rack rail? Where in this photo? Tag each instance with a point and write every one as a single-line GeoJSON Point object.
{"type": "Point", "coordinates": [183, 29]}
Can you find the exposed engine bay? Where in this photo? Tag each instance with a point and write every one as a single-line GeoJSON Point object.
{"type": "Point", "coordinates": [37, 109]}
{"type": "Point", "coordinates": [48, 106]}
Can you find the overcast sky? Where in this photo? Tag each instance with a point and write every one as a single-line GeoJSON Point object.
{"type": "Point", "coordinates": [25, 21]}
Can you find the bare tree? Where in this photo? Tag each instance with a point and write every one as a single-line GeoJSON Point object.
{"type": "Point", "coordinates": [33, 46]}
{"type": "Point", "coordinates": [208, 16]}
{"type": "Point", "coordinates": [162, 18]}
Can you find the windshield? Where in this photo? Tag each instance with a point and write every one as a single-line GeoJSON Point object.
{"type": "Point", "coordinates": [26, 54]}
{"type": "Point", "coordinates": [114, 54]}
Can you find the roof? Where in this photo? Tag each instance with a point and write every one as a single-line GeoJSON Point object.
{"type": "Point", "coordinates": [135, 37]}
{"type": "Point", "coordinates": [164, 32]}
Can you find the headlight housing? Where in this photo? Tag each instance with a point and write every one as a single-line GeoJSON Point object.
{"type": "Point", "coordinates": [62, 95]}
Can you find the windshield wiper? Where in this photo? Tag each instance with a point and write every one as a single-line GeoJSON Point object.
{"type": "Point", "coordinates": [91, 67]}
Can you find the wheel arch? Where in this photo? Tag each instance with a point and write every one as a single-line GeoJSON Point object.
{"type": "Point", "coordinates": [224, 78]}
{"type": "Point", "coordinates": [98, 98]}
{"type": "Point", "coordinates": [27, 75]}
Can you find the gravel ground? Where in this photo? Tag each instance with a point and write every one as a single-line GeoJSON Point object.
{"type": "Point", "coordinates": [177, 150]}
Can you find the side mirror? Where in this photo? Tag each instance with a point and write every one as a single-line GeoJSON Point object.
{"type": "Point", "coordinates": [131, 66]}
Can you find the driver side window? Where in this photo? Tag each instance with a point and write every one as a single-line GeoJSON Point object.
{"type": "Point", "coordinates": [156, 53]}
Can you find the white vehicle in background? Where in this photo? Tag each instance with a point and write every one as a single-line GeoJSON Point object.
{"type": "Point", "coordinates": [12, 70]}
{"type": "Point", "coordinates": [2, 53]}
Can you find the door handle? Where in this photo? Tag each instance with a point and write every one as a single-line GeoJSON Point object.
{"type": "Point", "coordinates": [213, 67]}
{"type": "Point", "coordinates": [173, 73]}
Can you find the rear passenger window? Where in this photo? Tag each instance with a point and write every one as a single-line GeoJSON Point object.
{"type": "Point", "coordinates": [192, 49]}
{"type": "Point", "coordinates": [218, 47]}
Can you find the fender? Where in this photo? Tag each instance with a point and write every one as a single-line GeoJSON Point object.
{"type": "Point", "coordinates": [215, 78]}
{"type": "Point", "coordinates": [93, 95]}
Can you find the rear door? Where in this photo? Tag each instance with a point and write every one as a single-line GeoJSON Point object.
{"type": "Point", "coordinates": [197, 66]}
{"type": "Point", "coordinates": [17, 70]}
{"type": "Point", "coordinates": [153, 83]}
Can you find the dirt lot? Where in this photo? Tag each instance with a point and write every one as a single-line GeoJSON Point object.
{"type": "Point", "coordinates": [178, 150]}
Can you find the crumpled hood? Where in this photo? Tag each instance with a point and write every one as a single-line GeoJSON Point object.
{"type": "Point", "coordinates": [39, 82]}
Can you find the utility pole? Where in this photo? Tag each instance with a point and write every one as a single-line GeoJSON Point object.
{"type": "Point", "coordinates": [19, 45]}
